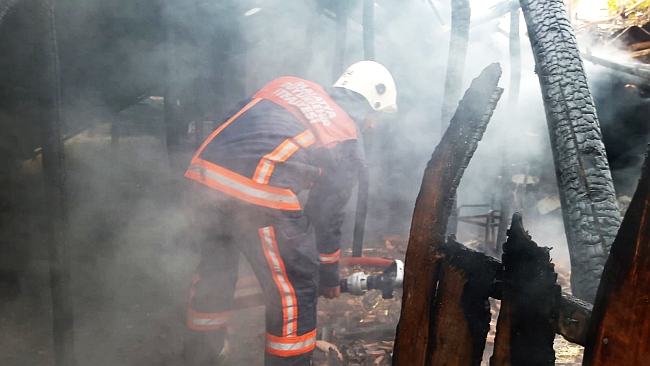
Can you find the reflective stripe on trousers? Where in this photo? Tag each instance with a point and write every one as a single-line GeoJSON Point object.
{"type": "Point", "coordinates": [204, 321]}
{"type": "Point", "coordinates": [290, 346]}
{"type": "Point", "coordinates": [279, 273]}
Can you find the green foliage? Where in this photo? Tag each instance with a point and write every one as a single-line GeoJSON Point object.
{"type": "Point", "coordinates": [614, 6]}
{"type": "Point", "coordinates": [639, 15]}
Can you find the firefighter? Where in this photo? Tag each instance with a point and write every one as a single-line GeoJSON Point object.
{"type": "Point", "coordinates": [292, 136]}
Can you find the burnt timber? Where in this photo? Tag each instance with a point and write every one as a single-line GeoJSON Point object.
{"type": "Point", "coordinates": [590, 214]}
{"type": "Point", "coordinates": [415, 342]}
{"type": "Point", "coordinates": [50, 125]}
{"type": "Point", "coordinates": [619, 331]}
{"type": "Point", "coordinates": [462, 310]}
{"type": "Point", "coordinates": [529, 303]}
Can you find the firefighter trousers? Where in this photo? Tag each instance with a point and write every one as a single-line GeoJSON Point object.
{"type": "Point", "coordinates": [280, 247]}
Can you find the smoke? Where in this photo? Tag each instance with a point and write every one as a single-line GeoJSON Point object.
{"type": "Point", "coordinates": [132, 248]}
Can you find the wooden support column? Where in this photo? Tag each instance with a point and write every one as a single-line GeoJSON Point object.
{"type": "Point", "coordinates": [619, 332]}
{"type": "Point", "coordinates": [458, 40]}
{"type": "Point", "coordinates": [364, 181]}
{"type": "Point", "coordinates": [49, 101]}
{"type": "Point", "coordinates": [361, 211]}
{"type": "Point", "coordinates": [529, 303]}
{"type": "Point", "coordinates": [174, 86]}
{"type": "Point", "coordinates": [591, 217]}
{"type": "Point", "coordinates": [369, 29]}
{"type": "Point", "coordinates": [506, 194]}
{"type": "Point", "coordinates": [342, 7]}
{"type": "Point", "coordinates": [415, 342]}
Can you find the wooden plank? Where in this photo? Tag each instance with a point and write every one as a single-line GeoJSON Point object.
{"type": "Point", "coordinates": [369, 30]}
{"type": "Point", "coordinates": [640, 53]}
{"type": "Point", "coordinates": [430, 217]}
{"type": "Point", "coordinates": [529, 304]}
{"type": "Point", "coordinates": [638, 46]}
{"type": "Point", "coordinates": [619, 332]}
{"type": "Point", "coordinates": [635, 69]}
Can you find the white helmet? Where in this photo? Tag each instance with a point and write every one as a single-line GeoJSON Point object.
{"type": "Point", "coordinates": [374, 82]}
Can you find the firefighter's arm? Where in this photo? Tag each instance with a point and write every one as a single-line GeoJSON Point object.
{"type": "Point", "coordinates": [326, 209]}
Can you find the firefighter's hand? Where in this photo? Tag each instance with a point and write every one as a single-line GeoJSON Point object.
{"type": "Point", "coordinates": [330, 292]}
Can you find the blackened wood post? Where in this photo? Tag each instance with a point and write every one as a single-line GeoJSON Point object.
{"type": "Point", "coordinates": [529, 304]}
{"type": "Point", "coordinates": [361, 211]}
{"type": "Point", "coordinates": [619, 332]}
{"type": "Point", "coordinates": [506, 201]}
{"type": "Point", "coordinates": [342, 7]}
{"type": "Point", "coordinates": [369, 29]}
{"type": "Point", "coordinates": [364, 181]}
{"type": "Point", "coordinates": [415, 341]}
{"type": "Point", "coordinates": [458, 40]}
{"type": "Point", "coordinates": [49, 98]}
{"type": "Point", "coordinates": [174, 81]}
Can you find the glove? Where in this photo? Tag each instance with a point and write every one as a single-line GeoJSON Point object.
{"type": "Point", "coordinates": [329, 275]}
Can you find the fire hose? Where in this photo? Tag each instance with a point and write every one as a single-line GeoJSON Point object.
{"type": "Point", "coordinates": [248, 295]}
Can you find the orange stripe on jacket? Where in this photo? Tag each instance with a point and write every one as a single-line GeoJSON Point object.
{"type": "Point", "coordinates": [281, 153]}
{"type": "Point", "coordinates": [241, 187]}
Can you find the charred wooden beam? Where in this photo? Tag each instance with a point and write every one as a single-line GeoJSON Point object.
{"type": "Point", "coordinates": [172, 95]}
{"type": "Point", "coordinates": [369, 29]}
{"type": "Point", "coordinates": [514, 47]}
{"type": "Point", "coordinates": [497, 11]}
{"type": "Point", "coordinates": [531, 295]}
{"type": "Point", "coordinates": [573, 319]}
{"type": "Point", "coordinates": [619, 332]}
{"type": "Point", "coordinates": [342, 11]}
{"type": "Point", "coordinates": [363, 187]}
{"type": "Point", "coordinates": [415, 332]}
{"type": "Point", "coordinates": [507, 195]}
{"type": "Point", "coordinates": [462, 310]}
{"type": "Point", "coordinates": [458, 39]}
{"type": "Point", "coordinates": [51, 126]}
{"type": "Point", "coordinates": [573, 314]}
{"type": "Point", "coordinates": [591, 217]}
{"type": "Point", "coordinates": [635, 69]}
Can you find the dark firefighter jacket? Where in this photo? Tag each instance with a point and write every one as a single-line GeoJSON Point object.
{"type": "Point", "coordinates": [289, 137]}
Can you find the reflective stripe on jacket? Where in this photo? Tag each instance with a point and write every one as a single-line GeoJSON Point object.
{"type": "Point", "coordinates": [275, 146]}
